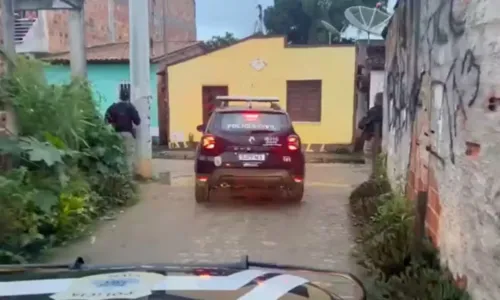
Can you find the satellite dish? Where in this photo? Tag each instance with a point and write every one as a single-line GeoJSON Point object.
{"type": "Point", "coordinates": [331, 29]}
{"type": "Point", "coordinates": [370, 20]}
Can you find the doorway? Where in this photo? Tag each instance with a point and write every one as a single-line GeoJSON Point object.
{"type": "Point", "coordinates": [209, 101]}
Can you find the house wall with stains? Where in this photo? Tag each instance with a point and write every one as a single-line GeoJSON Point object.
{"type": "Point", "coordinates": [441, 128]}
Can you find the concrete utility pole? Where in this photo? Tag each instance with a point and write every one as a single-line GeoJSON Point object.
{"type": "Point", "coordinates": [111, 21]}
{"type": "Point", "coordinates": [7, 20]}
{"type": "Point", "coordinates": [77, 43]}
{"type": "Point", "coordinates": [140, 82]}
{"type": "Point", "coordinates": [164, 27]}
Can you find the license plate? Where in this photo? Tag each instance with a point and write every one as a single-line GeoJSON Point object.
{"type": "Point", "coordinates": [252, 157]}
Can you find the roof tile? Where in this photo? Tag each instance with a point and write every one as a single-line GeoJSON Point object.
{"type": "Point", "coordinates": [118, 52]}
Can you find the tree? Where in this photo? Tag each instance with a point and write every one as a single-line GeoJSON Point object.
{"type": "Point", "coordinates": [288, 18]}
{"type": "Point", "coordinates": [300, 20]}
{"type": "Point", "coordinates": [217, 42]}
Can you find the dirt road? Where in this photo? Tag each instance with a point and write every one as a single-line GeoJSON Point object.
{"type": "Point", "coordinates": [167, 225]}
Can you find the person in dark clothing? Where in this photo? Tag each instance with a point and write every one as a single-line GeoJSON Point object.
{"type": "Point", "coordinates": [123, 115]}
{"type": "Point", "coordinates": [372, 118]}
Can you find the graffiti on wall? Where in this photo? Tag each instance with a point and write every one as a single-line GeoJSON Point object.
{"type": "Point", "coordinates": [455, 88]}
{"type": "Point", "coordinates": [399, 110]}
{"type": "Point", "coordinates": [450, 63]}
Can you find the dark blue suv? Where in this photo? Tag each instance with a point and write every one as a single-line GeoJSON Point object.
{"type": "Point", "coordinates": [249, 149]}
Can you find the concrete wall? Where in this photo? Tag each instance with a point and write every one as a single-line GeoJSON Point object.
{"type": "Point", "coordinates": [105, 79]}
{"type": "Point", "coordinates": [231, 67]}
{"type": "Point", "coordinates": [442, 130]}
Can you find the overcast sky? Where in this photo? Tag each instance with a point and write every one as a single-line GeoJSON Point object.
{"type": "Point", "coordinates": [215, 17]}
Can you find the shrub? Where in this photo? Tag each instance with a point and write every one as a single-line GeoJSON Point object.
{"type": "Point", "coordinates": [366, 197]}
{"type": "Point", "coordinates": [384, 243]}
{"type": "Point", "coordinates": [385, 247]}
{"type": "Point", "coordinates": [69, 165]}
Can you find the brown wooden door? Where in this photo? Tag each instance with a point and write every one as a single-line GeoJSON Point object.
{"type": "Point", "coordinates": [209, 102]}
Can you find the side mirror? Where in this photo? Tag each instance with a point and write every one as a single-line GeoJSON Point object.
{"type": "Point", "coordinates": [200, 128]}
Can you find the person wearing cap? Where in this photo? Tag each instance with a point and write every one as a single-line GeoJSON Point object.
{"type": "Point", "coordinates": [123, 115]}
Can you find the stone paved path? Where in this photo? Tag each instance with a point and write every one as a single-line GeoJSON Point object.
{"type": "Point", "coordinates": [167, 225]}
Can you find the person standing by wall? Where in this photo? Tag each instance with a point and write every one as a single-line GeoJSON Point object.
{"type": "Point", "coordinates": [123, 115]}
{"type": "Point", "coordinates": [371, 125]}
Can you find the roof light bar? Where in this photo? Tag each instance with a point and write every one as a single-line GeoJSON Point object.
{"type": "Point", "coordinates": [248, 99]}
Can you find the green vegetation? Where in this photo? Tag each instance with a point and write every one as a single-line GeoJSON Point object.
{"type": "Point", "coordinates": [217, 42]}
{"type": "Point", "coordinates": [301, 20]}
{"type": "Point", "coordinates": [385, 238]}
{"type": "Point", "coordinates": [68, 166]}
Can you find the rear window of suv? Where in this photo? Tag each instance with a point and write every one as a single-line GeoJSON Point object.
{"type": "Point", "coordinates": [250, 121]}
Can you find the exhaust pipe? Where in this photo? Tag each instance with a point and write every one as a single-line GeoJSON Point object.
{"type": "Point", "coordinates": [224, 185]}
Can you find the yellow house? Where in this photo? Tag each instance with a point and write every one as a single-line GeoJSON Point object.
{"type": "Point", "coordinates": [315, 84]}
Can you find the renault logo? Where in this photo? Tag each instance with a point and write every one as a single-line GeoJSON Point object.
{"type": "Point", "coordinates": [251, 140]}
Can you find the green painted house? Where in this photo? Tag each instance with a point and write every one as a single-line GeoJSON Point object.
{"type": "Point", "coordinates": [107, 67]}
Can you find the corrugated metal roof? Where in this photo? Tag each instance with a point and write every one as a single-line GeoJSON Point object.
{"type": "Point", "coordinates": [117, 52]}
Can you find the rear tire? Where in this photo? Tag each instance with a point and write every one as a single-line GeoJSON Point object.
{"type": "Point", "coordinates": [297, 194]}
{"type": "Point", "coordinates": [201, 194]}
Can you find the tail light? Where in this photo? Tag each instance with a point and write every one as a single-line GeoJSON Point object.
{"type": "Point", "coordinates": [251, 117]}
{"type": "Point", "coordinates": [293, 143]}
{"type": "Point", "coordinates": [208, 142]}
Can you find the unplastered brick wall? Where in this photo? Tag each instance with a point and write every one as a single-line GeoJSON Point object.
{"type": "Point", "coordinates": [179, 21]}
{"type": "Point", "coordinates": [441, 129]}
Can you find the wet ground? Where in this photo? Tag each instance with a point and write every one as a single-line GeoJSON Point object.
{"type": "Point", "coordinates": [168, 226]}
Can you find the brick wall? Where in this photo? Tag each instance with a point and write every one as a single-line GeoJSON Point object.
{"type": "Point", "coordinates": [180, 27]}
{"type": "Point", "coordinates": [441, 129]}
{"type": "Point", "coordinates": [180, 20]}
